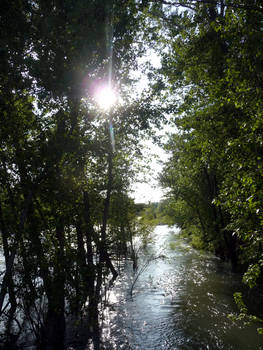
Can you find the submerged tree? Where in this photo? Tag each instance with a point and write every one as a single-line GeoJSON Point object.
{"type": "Point", "coordinates": [66, 165]}
{"type": "Point", "coordinates": [59, 170]}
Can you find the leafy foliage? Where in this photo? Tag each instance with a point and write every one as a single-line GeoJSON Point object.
{"type": "Point", "coordinates": [154, 214]}
{"type": "Point", "coordinates": [212, 67]}
{"type": "Point", "coordinates": [62, 181]}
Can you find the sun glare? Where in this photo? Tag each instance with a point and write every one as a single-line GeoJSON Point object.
{"type": "Point", "coordinates": [105, 97]}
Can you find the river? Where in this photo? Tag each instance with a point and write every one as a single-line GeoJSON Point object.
{"type": "Point", "coordinates": [180, 302]}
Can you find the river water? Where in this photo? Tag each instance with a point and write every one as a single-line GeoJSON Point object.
{"type": "Point", "coordinates": [179, 302]}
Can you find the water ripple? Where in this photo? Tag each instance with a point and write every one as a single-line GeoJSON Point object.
{"type": "Point", "coordinates": [179, 303]}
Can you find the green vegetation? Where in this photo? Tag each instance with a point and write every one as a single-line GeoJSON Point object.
{"type": "Point", "coordinates": [66, 166]}
{"type": "Point", "coordinates": [212, 76]}
{"type": "Point", "coordinates": [155, 214]}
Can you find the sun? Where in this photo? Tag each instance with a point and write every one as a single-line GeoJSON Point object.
{"type": "Point", "coordinates": [105, 96]}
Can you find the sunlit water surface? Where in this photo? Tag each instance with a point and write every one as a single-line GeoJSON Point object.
{"type": "Point", "coordinates": [179, 302]}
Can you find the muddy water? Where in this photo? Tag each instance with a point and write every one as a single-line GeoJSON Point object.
{"type": "Point", "coordinates": [179, 302]}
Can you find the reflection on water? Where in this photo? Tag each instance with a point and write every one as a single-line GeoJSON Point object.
{"type": "Point", "coordinates": [180, 302]}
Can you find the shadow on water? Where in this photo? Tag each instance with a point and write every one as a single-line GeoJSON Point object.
{"type": "Point", "coordinates": [180, 302]}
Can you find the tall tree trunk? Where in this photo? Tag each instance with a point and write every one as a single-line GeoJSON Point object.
{"type": "Point", "coordinates": [81, 277]}
{"type": "Point", "coordinates": [10, 257]}
{"type": "Point", "coordinates": [103, 248]}
{"type": "Point", "coordinates": [53, 332]}
{"type": "Point", "coordinates": [93, 313]}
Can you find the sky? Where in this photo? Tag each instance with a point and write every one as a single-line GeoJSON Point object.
{"type": "Point", "coordinates": [150, 191]}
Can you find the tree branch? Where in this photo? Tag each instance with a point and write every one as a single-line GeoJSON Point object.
{"type": "Point", "coordinates": [192, 4]}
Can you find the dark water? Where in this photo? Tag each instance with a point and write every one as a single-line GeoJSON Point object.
{"type": "Point", "coordinates": [180, 302]}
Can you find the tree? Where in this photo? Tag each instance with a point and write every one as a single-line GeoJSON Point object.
{"type": "Point", "coordinates": [214, 65]}
{"type": "Point", "coordinates": [58, 171]}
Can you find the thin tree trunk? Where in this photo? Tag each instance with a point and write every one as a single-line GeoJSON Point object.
{"type": "Point", "coordinates": [81, 277]}
{"type": "Point", "coordinates": [93, 313]}
{"type": "Point", "coordinates": [53, 330]}
{"type": "Point", "coordinates": [103, 250]}
{"type": "Point", "coordinates": [6, 283]}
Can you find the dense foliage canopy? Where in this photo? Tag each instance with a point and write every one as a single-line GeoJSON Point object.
{"type": "Point", "coordinates": [212, 66]}
{"type": "Point", "coordinates": [66, 165]}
